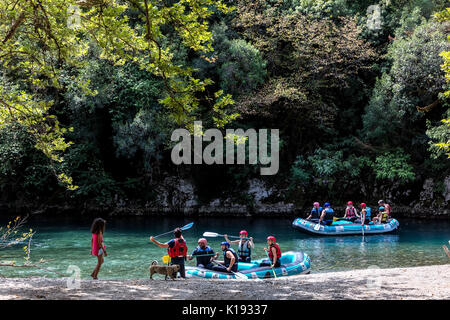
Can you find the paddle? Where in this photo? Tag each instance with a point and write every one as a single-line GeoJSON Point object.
{"type": "Point", "coordinates": [274, 274]}
{"type": "Point", "coordinates": [186, 227]}
{"type": "Point", "coordinates": [446, 250]}
{"type": "Point", "coordinates": [237, 274]}
{"type": "Point", "coordinates": [214, 234]}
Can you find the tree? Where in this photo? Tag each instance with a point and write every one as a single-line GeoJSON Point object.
{"type": "Point", "coordinates": [42, 38]}
{"type": "Point", "coordinates": [441, 133]}
{"type": "Point", "coordinates": [411, 86]}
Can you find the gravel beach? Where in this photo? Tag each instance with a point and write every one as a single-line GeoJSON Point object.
{"type": "Point", "coordinates": [429, 282]}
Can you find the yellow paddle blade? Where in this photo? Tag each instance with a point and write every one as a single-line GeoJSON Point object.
{"type": "Point", "coordinates": [335, 219]}
{"type": "Point", "coordinates": [166, 259]}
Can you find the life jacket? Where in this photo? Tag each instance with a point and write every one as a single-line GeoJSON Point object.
{"type": "Point", "coordinates": [351, 212]}
{"type": "Point", "coordinates": [384, 217]}
{"type": "Point", "coordinates": [179, 249]}
{"type": "Point", "coordinates": [206, 250]}
{"type": "Point", "coordinates": [368, 213]}
{"type": "Point", "coordinates": [329, 214]}
{"type": "Point", "coordinates": [315, 213]}
{"type": "Point", "coordinates": [227, 260]}
{"type": "Point", "coordinates": [202, 252]}
{"type": "Point", "coordinates": [277, 248]}
{"type": "Point", "coordinates": [243, 250]}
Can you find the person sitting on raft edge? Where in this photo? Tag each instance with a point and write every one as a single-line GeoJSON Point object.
{"type": "Point", "coordinates": [274, 253]}
{"type": "Point", "coordinates": [245, 245]}
{"type": "Point", "coordinates": [351, 213]}
{"type": "Point", "coordinates": [386, 206]}
{"type": "Point", "coordinates": [204, 254]}
{"type": "Point", "coordinates": [365, 214]}
{"type": "Point", "coordinates": [177, 250]}
{"type": "Point", "coordinates": [381, 216]}
{"type": "Point", "coordinates": [230, 259]}
{"type": "Point", "coordinates": [327, 215]}
{"type": "Point", "coordinates": [316, 211]}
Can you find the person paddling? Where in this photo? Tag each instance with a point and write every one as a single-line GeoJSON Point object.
{"type": "Point", "coordinates": [245, 245]}
{"type": "Point", "coordinates": [98, 248]}
{"type": "Point", "coordinates": [316, 211]}
{"type": "Point", "coordinates": [230, 259]}
{"type": "Point", "coordinates": [351, 213]}
{"type": "Point", "coordinates": [204, 254]}
{"type": "Point", "coordinates": [177, 250]}
{"type": "Point", "coordinates": [274, 253]}
{"type": "Point", "coordinates": [327, 215]}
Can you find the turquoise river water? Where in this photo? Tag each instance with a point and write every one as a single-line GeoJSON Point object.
{"type": "Point", "coordinates": [65, 241]}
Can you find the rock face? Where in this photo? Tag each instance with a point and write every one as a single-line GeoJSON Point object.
{"type": "Point", "coordinates": [175, 194]}
{"type": "Point", "coordinates": [178, 196]}
{"type": "Point", "coordinates": [433, 200]}
{"type": "Point", "coordinates": [447, 189]}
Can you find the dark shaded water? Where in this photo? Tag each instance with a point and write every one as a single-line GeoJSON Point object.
{"type": "Point", "coordinates": [66, 241]}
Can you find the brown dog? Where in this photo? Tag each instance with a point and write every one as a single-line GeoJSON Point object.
{"type": "Point", "coordinates": [168, 271]}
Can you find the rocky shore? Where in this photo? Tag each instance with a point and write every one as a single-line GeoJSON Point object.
{"type": "Point", "coordinates": [429, 282]}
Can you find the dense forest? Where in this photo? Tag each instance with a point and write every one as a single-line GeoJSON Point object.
{"type": "Point", "coordinates": [356, 88]}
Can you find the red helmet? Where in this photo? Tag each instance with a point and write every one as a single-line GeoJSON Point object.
{"type": "Point", "coordinates": [272, 238]}
{"type": "Point", "coordinates": [243, 232]}
{"type": "Point", "coordinates": [316, 204]}
{"type": "Point", "coordinates": [350, 203]}
{"type": "Point", "coordinates": [363, 205]}
{"type": "Point", "coordinates": [202, 240]}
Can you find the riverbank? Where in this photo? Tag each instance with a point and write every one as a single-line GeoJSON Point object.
{"type": "Point", "coordinates": [429, 282]}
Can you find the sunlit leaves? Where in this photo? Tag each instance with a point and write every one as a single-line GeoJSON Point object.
{"type": "Point", "coordinates": [41, 38]}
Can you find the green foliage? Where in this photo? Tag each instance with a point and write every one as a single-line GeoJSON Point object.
{"type": "Point", "coordinates": [243, 69]}
{"type": "Point", "coordinates": [83, 164]}
{"type": "Point", "coordinates": [394, 166]}
{"type": "Point", "coordinates": [413, 82]}
{"type": "Point", "coordinates": [440, 135]}
{"type": "Point", "coordinates": [24, 172]}
{"type": "Point", "coordinates": [327, 170]}
{"type": "Point", "coordinates": [40, 39]}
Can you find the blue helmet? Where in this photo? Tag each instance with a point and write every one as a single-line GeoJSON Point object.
{"type": "Point", "coordinates": [381, 208]}
{"type": "Point", "coordinates": [225, 243]}
{"type": "Point", "coordinates": [327, 204]}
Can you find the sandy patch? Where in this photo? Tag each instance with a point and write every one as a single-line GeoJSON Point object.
{"type": "Point", "coordinates": [430, 282]}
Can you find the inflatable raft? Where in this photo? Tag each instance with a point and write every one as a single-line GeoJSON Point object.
{"type": "Point", "coordinates": [292, 263]}
{"type": "Point", "coordinates": [340, 228]}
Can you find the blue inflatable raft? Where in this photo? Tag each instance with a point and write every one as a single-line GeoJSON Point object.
{"type": "Point", "coordinates": [340, 228]}
{"type": "Point", "coordinates": [292, 263]}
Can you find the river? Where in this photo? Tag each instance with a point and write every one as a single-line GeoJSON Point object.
{"type": "Point", "coordinates": [65, 241]}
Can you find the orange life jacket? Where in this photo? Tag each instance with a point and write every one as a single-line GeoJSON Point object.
{"type": "Point", "coordinates": [179, 249]}
{"type": "Point", "coordinates": [277, 248]}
